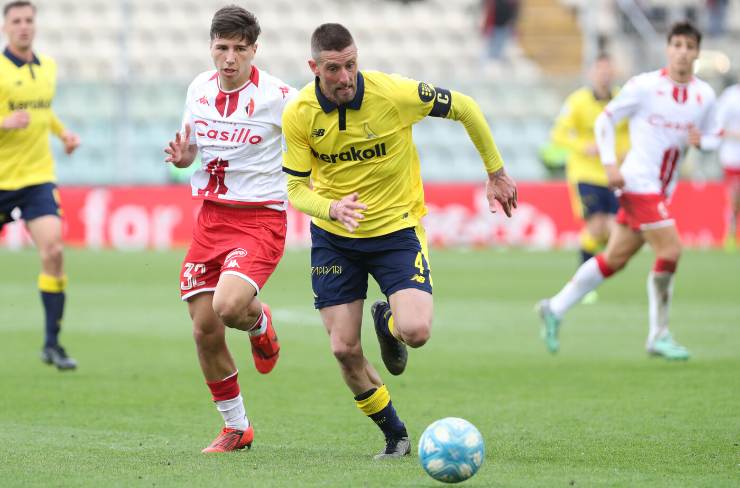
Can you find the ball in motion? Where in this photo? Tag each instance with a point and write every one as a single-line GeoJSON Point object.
{"type": "Point", "coordinates": [451, 450]}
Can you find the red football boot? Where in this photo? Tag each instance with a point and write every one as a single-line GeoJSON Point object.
{"type": "Point", "coordinates": [231, 440]}
{"type": "Point", "coordinates": [265, 347]}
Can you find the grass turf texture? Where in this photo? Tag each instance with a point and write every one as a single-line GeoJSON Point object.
{"type": "Point", "coordinates": [601, 413]}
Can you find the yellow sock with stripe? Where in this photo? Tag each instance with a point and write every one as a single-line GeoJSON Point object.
{"type": "Point", "coordinates": [590, 246]}
{"type": "Point", "coordinates": [52, 297]}
{"type": "Point", "coordinates": [376, 404]}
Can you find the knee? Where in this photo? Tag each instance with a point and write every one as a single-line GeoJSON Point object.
{"type": "Point", "coordinates": [416, 333]}
{"type": "Point", "coordinates": [207, 339]}
{"type": "Point", "coordinates": [52, 253]}
{"type": "Point", "coordinates": [670, 254]}
{"type": "Point", "coordinates": [346, 354]}
{"type": "Point", "coordinates": [229, 309]}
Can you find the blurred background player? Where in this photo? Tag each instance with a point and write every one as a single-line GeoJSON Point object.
{"type": "Point", "coordinates": [353, 166]}
{"type": "Point", "coordinates": [668, 110]}
{"type": "Point", "coordinates": [728, 120]}
{"type": "Point", "coordinates": [233, 116]}
{"type": "Point", "coordinates": [27, 86]}
{"type": "Point", "coordinates": [591, 199]}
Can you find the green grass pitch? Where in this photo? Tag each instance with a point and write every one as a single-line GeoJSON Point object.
{"type": "Point", "coordinates": [601, 413]}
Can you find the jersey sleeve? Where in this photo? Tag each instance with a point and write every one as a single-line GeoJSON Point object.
{"type": "Point", "coordinates": [187, 116]}
{"type": "Point", "coordinates": [57, 127]}
{"type": "Point", "coordinates": [711, 124]}
{"type": "Point", "coordinates": [414, 100]}
{"type": "Point", "coordinates": [284, 94]}
{"type": "Point", "coordinates": [627, 101]}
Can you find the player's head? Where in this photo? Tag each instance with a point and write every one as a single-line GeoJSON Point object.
{"type": "Point", "coordinates": [601, 73]}
{"type": "Point", "coordinates": [334, 62]}
{"type": "Point", "coordinates": [684, 41]}
{"type": "Point", "coordinates": [19, 24]}
{"type": "Point", "coordinates": [234, 33]}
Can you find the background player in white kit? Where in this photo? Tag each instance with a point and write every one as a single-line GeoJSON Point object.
{"type": "Point", "coordinates": [728, 120]}
{"type": "Point", "coordinates": [233, 116]}
{"type": "Point", "coordinates": [668, 110]}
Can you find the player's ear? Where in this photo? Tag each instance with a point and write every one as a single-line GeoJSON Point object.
{"type": "Point", "coordinates": [314, 67]}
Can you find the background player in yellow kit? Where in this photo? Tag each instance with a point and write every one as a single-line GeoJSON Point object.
{"type": "Point", "coordinates": [591, 199]}
{"type": "Point", "coordinates": [27, 85]}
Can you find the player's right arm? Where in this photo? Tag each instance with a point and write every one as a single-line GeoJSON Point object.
{"type": "Point", "coordinates": [181, 153]}
{"type": "Point", "coordinates": [624, 105]}
{"type": "Point", "coordinates": [297, 165]}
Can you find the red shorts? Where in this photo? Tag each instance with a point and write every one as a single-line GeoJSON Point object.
{"type": "Point", "coordinates": [732, 176]}
{"type": "Point", "coordinates": [643, 211]}
{"type": "Point", "coordinates": [247, 242]}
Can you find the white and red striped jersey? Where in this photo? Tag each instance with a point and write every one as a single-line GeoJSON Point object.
{"type": "Point", "coordinates": [660, 113]}
{"type": "Point", "coordinates": [238, 134]}
{"type": "Point", "coordinates": [728, 120]}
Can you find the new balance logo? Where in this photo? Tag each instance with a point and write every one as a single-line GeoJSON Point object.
{"type": "Point", "coordinates": [353, 154]}
{"type": "Point", "coordinates": [317, 132]}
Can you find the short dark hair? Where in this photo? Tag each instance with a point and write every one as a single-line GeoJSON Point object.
{"type": "Point", "coordinates": [17, 4]}
{"type": "Point", "coordinates": [330, 37]}
{"type": "Point", "coordinates": [684, 28]}
{"type": "Point", "coordinates": [234, 22]}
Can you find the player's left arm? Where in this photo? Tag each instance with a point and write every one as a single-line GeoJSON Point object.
{"type": "Point", "coordinates": [462, 108]}
{"type": "Point", "coordinates": [708, 135]}
{"type": "Point", "coordinates": [70, 140]}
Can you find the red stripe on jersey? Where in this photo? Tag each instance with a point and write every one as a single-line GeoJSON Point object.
{"type": "Point", "coordinates": [680, 94]}
{"type": "Point", "coordinates": [221, 102]}
{"type": "Point", "coordinates": [233, 101]}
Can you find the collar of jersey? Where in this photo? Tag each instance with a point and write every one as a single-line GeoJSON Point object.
{"type": "Point", "coordinates": [355, 104]}
{"type": "Point", "coordinates": [254, 78]}
{"type": "Point", "coordinates": [18, 61]}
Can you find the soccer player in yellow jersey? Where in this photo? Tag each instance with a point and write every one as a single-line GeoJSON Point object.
{"type": "Point", "coordinates": [352, 165]}
{"type": "Point", "coordinates": [27, 84]}
{"type": "Point", "coordinates": [591, 199]}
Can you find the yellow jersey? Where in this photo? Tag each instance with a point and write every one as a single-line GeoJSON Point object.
{"type": "Point", "coordinates": [25, 154]}
{"type": "Point", "coordinates": [574, 130]}
{"type": "Point", "coordinates": [366, 146]}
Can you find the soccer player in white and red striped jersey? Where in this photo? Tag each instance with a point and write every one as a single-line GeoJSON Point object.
{"type": "Point", "coordinates": [728, 120]}
{"type": "Point", "coordinates": [668, 110]}
{"type": "Point", "coordinates": [233, 117]}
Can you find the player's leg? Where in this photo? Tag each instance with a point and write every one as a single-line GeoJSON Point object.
{"type": "Point", "coordinates": [343, 323]}
{"type": "Point", "coordinates": [623, 243]}
{"type": "Point", "coordinates": [732, 182]}
{"type": "Point", "coordinates": [666, 243]}
{"type": "Point", "coordinates": [220, 374]}
{"type": "Point", "coordinates": [401, 268]}
{"type": "Point", "coordinates": [41, 213]}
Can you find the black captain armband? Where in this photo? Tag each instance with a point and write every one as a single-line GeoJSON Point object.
{"type": "Point", "coordinates": [441, 96]}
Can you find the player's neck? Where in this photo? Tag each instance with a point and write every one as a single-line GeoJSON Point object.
{"type": "Point", "coordinates": [680, 76]}
{"type": "Point", "coordinates": [20, 53]}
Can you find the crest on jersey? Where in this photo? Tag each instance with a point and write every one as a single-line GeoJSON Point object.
{"type": "Point", "coordinates": [250, 107]}
{"type": "Point", "coordinates": [369, 132]}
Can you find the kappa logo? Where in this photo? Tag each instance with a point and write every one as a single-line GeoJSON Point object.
{"type": "Point", "coordinates": [232, 264]}
{"type": "Point", "coordinates": [236, 253]}
{"type": "Point", "coordinates": [203, 101]}
{"type": "Point", "coordinates": [318, 132]}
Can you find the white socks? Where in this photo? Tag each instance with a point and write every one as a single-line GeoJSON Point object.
{"type": "Point", "coordinates": [660, 291]}
{"type": "Point", "coordinates": [233, 412]}
{"type": "Point", "coordinates": [588, 277]}
{"type": "Point", "coordinates": [262, 321]}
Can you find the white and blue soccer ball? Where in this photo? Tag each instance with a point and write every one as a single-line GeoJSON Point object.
{"type": "Point", "coordinates": [451, 450]}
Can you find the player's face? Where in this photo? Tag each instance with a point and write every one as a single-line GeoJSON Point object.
{"type": "Point", "coordinates": [682, 52]}
{"type": "Point", "coordinates": [602, 74]}
{"type": "Point", "coordinates": [20, 27]}
{"type": "Point", "coordinates": [233, 60]}
{"type": "Point", "coordinates": [337, 72]}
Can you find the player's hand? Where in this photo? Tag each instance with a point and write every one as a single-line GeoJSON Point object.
{"type": "Point", "coordinates": [348, 211]}
{"type": "Point", "coordinates": [17, 120]}
{"type": "Point", "coordinates": [591, 150]}
{"type": "Point", "coordinates": [180, 152]}
{"type": "Point", "coordinates": [70, 140]}
{"type": "Point", "coordinates": [614, 177]}
{"type": "Point", "coordinates": [694, 137]}
{"type": "Point", "coordinates": [500, 187]}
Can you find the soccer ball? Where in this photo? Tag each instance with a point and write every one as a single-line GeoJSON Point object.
{"type": "Point", "coordinates": [451, 450]}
